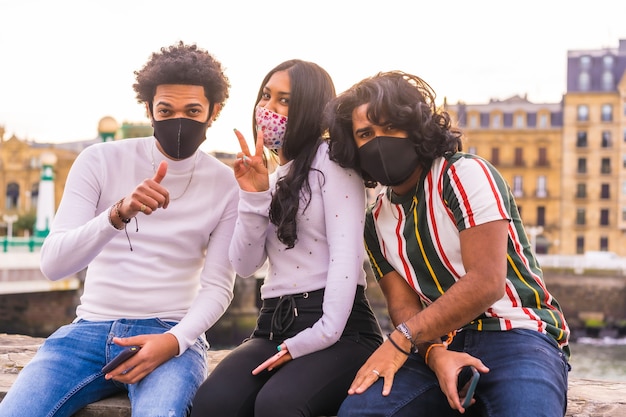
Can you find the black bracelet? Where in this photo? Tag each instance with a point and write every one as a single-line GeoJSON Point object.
{"type": "Point", "coordinates": [396, 345]}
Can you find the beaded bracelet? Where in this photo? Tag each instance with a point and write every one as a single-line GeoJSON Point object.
{"type": "Point", "coordinates": [397, 346]}
{"type": "Point", "coordinates": [124, 221]}
{"type": "Point", "coordinates": [116, 208]}
{"type": "Point", "coordinates": [117, 211]}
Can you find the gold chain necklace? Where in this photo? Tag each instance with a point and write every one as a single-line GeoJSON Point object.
{"type": "Point", "coordinates": [401, 204]}
{"type": "Point", "coordinates": [195, 162]}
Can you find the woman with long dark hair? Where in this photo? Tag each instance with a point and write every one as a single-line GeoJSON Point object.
{"type": "Point", "coordinates": [306, 220]}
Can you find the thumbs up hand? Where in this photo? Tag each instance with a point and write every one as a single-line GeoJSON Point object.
{"type": "Point", "coordinates": [160, 172]}
{"type": "Point", "coordinates": [148, 196]}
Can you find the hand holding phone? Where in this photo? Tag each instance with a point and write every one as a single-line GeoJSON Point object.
{"type": "Point", "coordinates": [469, 377]}
{"type": "Point", "coordinates": [270, 361]}
{"type": "Point", "coordinates": [120, 358]}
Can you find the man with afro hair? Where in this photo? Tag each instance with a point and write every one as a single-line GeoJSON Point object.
{"type": "Point", "coordinates": [150, 219]}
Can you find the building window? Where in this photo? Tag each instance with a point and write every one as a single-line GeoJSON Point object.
{"type": "Point", "coordinates": [580, 245]}
{"type": "Point", "coordinates": [607, 113]}
{"type": "Point", "coordinates": [541, 216]}
{"type": "Point", "coordinates": [495, 156]}
{"type": "Point", "coordinates": [473, 121]}
{"type": "Point", "coordinates": [604, 244]}
{"type": "Point", "coordinates": [519, 157]}
{"type": "Point", "coordinates": [604, 217]}
{"type": "Point", "coordinates": [624, 214]}
{"type": "Point", "coordinates": [582, 166]}
{"type": "Point", "coordinates": [624, 188]}
{"type": "Point", "coordinates": [520, 121]}
{"type": "Point", "coordinates": [606, 139]}
{"type": "Point", "coordinates": [34, 163]}
{"type": "Point", "coordinates": [607, 81]}
{"type": "Point", "coordinates": [583, 113]}
{"type": "Point", "coordinates": [12, 196]}
{"type": "Point", "coordinates": [605, 167]}
{"type": "Point", "coordinates": [542, 191]}
{"type": "Point", "coordinates": [624, 161]}
{"type": "Point", "coordinates": [585, 62]}
{"type": "Point", "coordinates": [34, 195]}
{"type": "Point", "coordinates": [542, 157]}
{"type": "Point", "coordinates": [543, 121]}
{"type": "Point", "coordinates": [605, 191]}
{"type": "Point", "coordinates": [581, 139]}
{"type": "Point", "coordinates": [584, 81]}
{"type": "Point", "coordinates": [581, 190]}
{"type": "Point", "coordinates": [472, 150]}
{"type": "Point", "coordinates": [518, 189]}
{"type": "Point", "coordinates": [580, 216]}
{"type": "Point", "coordinates": [495, 121]}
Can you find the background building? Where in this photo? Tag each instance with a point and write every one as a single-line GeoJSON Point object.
{"type": "Point", "coordinates": [565, 162]}
{"type": "Point", "coordinates": [523, 140]}
{"type": "Point", "coordinates": [594, 151]}
{"type": "Point", "coordinates": [20, 175]}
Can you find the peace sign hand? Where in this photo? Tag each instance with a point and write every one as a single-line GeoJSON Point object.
{"type": "Point", "coordinates": [250, 170]}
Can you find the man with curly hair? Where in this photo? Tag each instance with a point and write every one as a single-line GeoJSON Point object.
{"type": "Point", "coordinates": [447, 245]}
{"type": "Point", "coordinates": [151, 221]}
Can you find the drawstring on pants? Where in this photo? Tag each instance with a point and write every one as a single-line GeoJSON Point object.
{"type": "Point", "coordinates": [285, 313]}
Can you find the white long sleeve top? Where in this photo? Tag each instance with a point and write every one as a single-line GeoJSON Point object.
{"type": "Point", "coordinates": [328, 254]}
{"type": "Point", "coordinates": [178, 268]}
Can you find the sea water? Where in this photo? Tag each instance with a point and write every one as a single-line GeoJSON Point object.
{"type": "Point", "coordinates": [599, 358]}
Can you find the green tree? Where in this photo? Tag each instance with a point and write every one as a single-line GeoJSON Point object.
{"type": "Point", "coordinates": [25, 222]}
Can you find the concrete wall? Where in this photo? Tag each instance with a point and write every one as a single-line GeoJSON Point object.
{"type": "Point", "coordinates": [39, 313]}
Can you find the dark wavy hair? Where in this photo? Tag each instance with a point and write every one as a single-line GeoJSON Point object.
{"type": "Point", "coordinates": [183, 64]}
{"type": "Point", "coordinates": [311, 90]}
{"type": "Point", "coordinates": [394, 98]}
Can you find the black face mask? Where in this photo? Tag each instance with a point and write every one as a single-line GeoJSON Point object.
{"type": "Point", "coordinates": [389, 160]}
{"type": "Point", "coordinates": [180, 138]}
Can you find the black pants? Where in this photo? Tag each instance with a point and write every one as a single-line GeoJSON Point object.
{"type": "Point", "coordinates": [311, 385]}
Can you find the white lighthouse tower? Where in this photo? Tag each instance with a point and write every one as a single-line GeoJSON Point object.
{"type": "Point", "coordinates": [45, 200]}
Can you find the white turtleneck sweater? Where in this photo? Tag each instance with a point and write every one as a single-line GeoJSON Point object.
{"type": "Point", "coordinates": [178, 269]}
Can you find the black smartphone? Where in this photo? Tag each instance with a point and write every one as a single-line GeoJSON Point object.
{"type": "Point", "coordinates": [121, 357]}
{"type": "Point", "coordinates": [468, 376]}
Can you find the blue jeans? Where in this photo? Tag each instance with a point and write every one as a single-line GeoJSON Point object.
{"type": "Point", "coordinates": [527, 377]}
{"type": "Point", "coordinates": [65, 374]}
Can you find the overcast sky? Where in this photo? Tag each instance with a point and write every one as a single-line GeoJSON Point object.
{"type": "Point", "coordinates": [65, 64]}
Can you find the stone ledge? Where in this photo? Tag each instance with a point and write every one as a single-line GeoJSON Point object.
{"type": "Point", "coordinates": [586, 398]}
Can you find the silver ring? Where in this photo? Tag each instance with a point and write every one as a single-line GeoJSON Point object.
{"type": "Point", "coordinates": [376, 372]}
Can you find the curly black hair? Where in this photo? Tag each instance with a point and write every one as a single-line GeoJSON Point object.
{"type": "Point", "coordinates": [183, 64]}
{"type": "Point", "coordinates": [395, 98]}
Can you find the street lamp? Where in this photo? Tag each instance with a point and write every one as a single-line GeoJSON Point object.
{"type": "Point", "coordinates": [107, 127]}
{"type": "Point", "coordinates": [9, 220]}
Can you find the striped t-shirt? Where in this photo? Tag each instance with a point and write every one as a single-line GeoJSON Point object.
{"type": "Point", "coordinates": [417, 235]}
